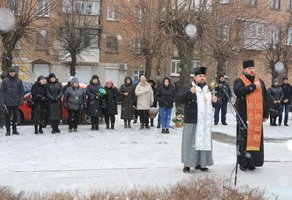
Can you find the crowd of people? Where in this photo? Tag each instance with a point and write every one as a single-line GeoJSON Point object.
{"type": "Point", "coordinates": [254, 104]}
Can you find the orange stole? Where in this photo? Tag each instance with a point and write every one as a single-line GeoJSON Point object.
{"type": "Point", "coordinates": [254, 107]}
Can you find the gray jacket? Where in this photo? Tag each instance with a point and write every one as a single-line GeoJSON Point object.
{"type": "Point", "coordinates": [74, 98]}
{"type": "Point", "coordinates": [11, 92]}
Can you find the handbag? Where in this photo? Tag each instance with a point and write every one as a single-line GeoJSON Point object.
{"type": "Point", "coordinates": [274, 112]}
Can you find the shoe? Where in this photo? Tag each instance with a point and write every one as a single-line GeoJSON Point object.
{"type": "Point", "coordinates": [163, 130]}
{"type": "Point", "coordinates": [141, 127]}
{"type": "Point", "coordinates": [251, 168]}
{"type": "Point", "coordinates": [75, 130]}
{"type": "Point", "coordinates": [58, 130]}
{"type": "Point", "coordinates": [70, 130]}
{"type": "Point", "coordinates": [147, 126]}
{"type": "Point", "coordinates": [158, 126]}
{"type": "Point", "coordinates": [107, 127]}
{"type": "Point", "coordinates": [286, 125]}
{"type": "Point", "coordinates": [204, 169]}
{"type": "Point", "coordinates": [15, 133]}
{"type": "Point", "coordinates": [135, 121]}
{"type": "Point", "coordinates": [125, 126]}
{"type": "Point", "coordinates": [198, 167]}
{"type": "Point", "coordinates": [53, 132]}
{"type": "Point", "coordinates": [279, 124]}
{"type": "Point", "coordinates": [152, 125]}
{"type": "Point", "coordinates": [112, 127]}
{"type": "Point", "coordinates": [215, 123]}
{"type": "Point", "coordinates": [242, 168]}
{"type": "Point", "coordinates": [36, 132]}
{"type": "Point", "coordinates": [97, 127]}
{"type": "Point", "coordinates": [129, 126]}
{"type": "Point", "coordinates": [186, 169]}
{"type": "Point", "coordinates": [167, 131]}
{"type": "Point", "coordinates": [224, 123]}
{"type": "Point", "coordinates": [41, 130]}
{"type": "Point", "coordinates": [8, 133]}
{"type": "Point", "coordinates": [92, 127]}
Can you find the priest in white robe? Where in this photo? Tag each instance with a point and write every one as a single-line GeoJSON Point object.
{"type": "Point", "coordinates": [198, 115]}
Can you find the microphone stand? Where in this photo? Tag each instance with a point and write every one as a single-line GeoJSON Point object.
{"type": "Point", "coordinates": [238, 137]}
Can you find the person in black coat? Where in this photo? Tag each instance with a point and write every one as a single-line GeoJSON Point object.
{"type": "Point", "coordinates": [248, 88]}
{"type": "Point", "coordinates": [39, 98]}
{"type": "Point", "coordinates": [165, 95]}
{"type": "Point", "coordinates": [276, 96]}
{"type": "Point", "coordinates": [54, 94]}
{"type": "Point", "coordinates": [11, 96]}
{"type": "Point", "coordinates": [74, 98]}
{"type": "Point", "coordinates": [127, 91]}
{"type": "Point", "coordinates": [287, 90]}
{"type": "Point", "coordinates": [222, 101]}
{"type": "Point", "coordinates": [111, 103]}
{"type": "Point", "coordinates": [94, 101]}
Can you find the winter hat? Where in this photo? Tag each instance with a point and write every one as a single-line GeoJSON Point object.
{"type": "Point", "coordinates": [200, 70]}
{"type": "Point", "coordinates": [152, 81]}
{"type": "Point", "coordinates": [11, 69]}
{"type": "Point", "coordinates": [51, 75]}
{"type": "Point", "coordinates": [74, 80]}
{"type": "Point", "coordinates": [40, 78]}
{"type": "Point", "coordinates": [95, 77]}
{"type": "Point", "coordinates": [248, 63]}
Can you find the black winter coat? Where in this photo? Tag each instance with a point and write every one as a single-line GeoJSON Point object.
{"type": "Point", "coordinates": [40, 102]}
{"type": "Point", "coordinates": [287, 90]}
{"type": "Point", "coordinates": [11, 92]}
{"type": "Point", "coordinates": [111, 101]}
{"type": "Point", "coordinates": [54, 94]}
{"type": "Point", "coordinates": [127, 110]}
{"type": "Point", "coordinates": [165, 95]}
{"type": "Point", "coordinates": [222, 97]}
{"type": "Point", "coordinates": [276, 93]}
{"type": "Point", "coordinates": [74, 98]}
{"type": "Point", "coordinates": [93, 101]}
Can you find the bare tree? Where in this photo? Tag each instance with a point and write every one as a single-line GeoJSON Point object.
{"type": "Point", "coordinates": [26, 13]}
{"type": "Point", "coordinates": [78, 31]}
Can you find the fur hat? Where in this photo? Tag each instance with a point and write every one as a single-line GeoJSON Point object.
{"type": "Point", "coordinates": [200, 70]}
{"type": "Point", "coordinates": [248, 63]}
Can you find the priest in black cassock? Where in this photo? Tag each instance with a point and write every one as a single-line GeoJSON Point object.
{"type": "Point", "coordinates": [253, 107]}
{"type": "Point", "coordinates": [198, 115]}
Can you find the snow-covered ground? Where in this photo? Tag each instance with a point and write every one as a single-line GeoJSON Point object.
{"type": "Point", "coordinates": [127, 158]}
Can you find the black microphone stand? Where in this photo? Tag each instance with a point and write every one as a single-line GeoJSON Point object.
{"type": "Point", "coordinates": [241, 129]}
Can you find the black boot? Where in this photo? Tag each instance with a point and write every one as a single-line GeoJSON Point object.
{"type": "Point", "coordinates": [97, 125]}
{"type": "Point", "coordinates": [36, 131]}
{"type": "Point", "coordinates": [41, 129]}
{"type": "Point", "coordinates": [7, 133]}
{"type": "Point", "coordinates": [129, 123]}
{"type": "Point", "coordinates": [152, 122]}
{"type": "Point", "coordinates": [167, 130]}
{"type": "Point", "coordinates": [186, 169]}
{"type": "Point", "coordinates": [107, 125]}
{"type": "Point", "coordinates": [112, 126]}
{"type": "Point", "coordinates": [53, 127]}
{"type": "Point", "coordinates": [125, 123]}
{"type": "Point", "coordinates": [57, 128]}
{"type": "Point", "coordinates": [141, 127]}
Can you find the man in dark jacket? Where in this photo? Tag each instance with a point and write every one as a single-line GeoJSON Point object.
{"type": "Point", "coordinates": [276, 97]}
{"type": "Point", "coordinates": [223, 93]}
{"type": "Point", "coordinates": [11, 97]}
{"type": "Point", "coordinates": [252, 106]}
{"type": "Point", "coordinates": [287, 90]}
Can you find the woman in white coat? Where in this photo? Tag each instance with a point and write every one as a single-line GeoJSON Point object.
{"type": "Point", "coordinates": [145, 99]}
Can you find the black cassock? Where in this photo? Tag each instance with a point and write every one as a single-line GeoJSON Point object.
{"type": "Point", "coordinates": [248, 159]}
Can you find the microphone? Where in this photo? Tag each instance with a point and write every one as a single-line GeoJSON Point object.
{"type": "Point", "coordinates": [221, 85]}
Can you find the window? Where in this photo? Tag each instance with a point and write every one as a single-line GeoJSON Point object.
{"type": "Point", "coordinates": [42, 40]}
{"type": "Point", "coordinates": [136, 74]}
{"type": "Point", "coordinates": [275, 4]}
{"type": "Point", "coordinates": [112, 12]}
{"type": "Point", "coordinates": [138, 46]}
{"type": "Point", "coordinates": [223, 32]}
{"type": "Point", "coordinates": [289, 5]}
{"type": "Point", "coordinates": [175, 66]}
{"type": "Point", "coordinates": [112, 44]}
{"type": "Point", "coordinates": [289, 37]}
{"type": "Point", "coordinates": [224, 1]}
{"type": "Point", "coordinates": [251, 2]}
{"type": "Point", "coordinates": [43, 8]}
{"type": "Point", "coordinates": [82, 7]}
{"type": "Point", "coordinates": [15, 6]}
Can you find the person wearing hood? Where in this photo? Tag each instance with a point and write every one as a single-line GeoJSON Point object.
{"type": "Point", "coordinates": [74, 98]}
{"type": "Point", "coordinates": [287, 90]}
{"type": "Point", "coordinates": [111, 94]}
{"type": "Point", "coordinates": [11, 97]}
{"type": "Point", "coordinates": [224, 94]}
{"type": "Point", "coordinates": [54, 94]}
{"type": "Point", "coordinates": [252, 104]}
{"type": "Point", "coordinates": [276, 97]}
{"type": "Point", "coordinates": [196, 140]}
{"type": "Point", "coordinates": [165, 95]}
{"type": "Point", "coordinates": [127, 91]}
{"type": "Point", "coordinates": [94, 101]}
{"type": "Point", "coordinates": [39, 98]}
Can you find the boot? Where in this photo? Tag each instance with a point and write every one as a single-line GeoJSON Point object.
{"type": "Point", "coordinates": [125, 124]}
{"type": "Point", "coordinates": [7, 133]}
{"type": "Point", "coordinates": [129, 123]}
{"type": "Point", "coordinates": [97, 125]}
{"type": "Point", "coordinates": [112, 126]}
{"type": "Point", "coordinates": [167, 130]}
{"type": "Point", "coordinates": [141, 127]}
{"type": "Point", "coordinates": [36, 131]}
{"type": "Point", "coordinates": [41, 129]}
{"type": "Point", "coordinates": [147, 126]}
{"type": "Point", "coordinates": [152, 122]}
{"type": "Point", "coordinates": [92, 126]}
{"type": "Point", "coordinates": [57, 128]}
{"type": "Point", "coordinates": [107, 125]}
{"type": "Point", "coordinates": [53, 127]}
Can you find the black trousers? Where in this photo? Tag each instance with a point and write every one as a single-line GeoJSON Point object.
{"type": "Point", "coordinates": [11, 112]}
{"type": "Point", "coordinates": [144, 117]}
{"type": "Point", "coordinates": [108, 118]}
{"type": "Point", "coordinates": [73, 118]}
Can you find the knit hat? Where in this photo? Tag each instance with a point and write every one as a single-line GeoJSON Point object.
{"type": "Point", "coordinates": [95, 77]}
{"type": "Point", "coordinates": [51, 75]}
{"type": "Point", "coordinates": [40, 78]}
{"type": "Point", "coordinates": [74, 80]}
{"type": "Point", "coordinates": [11, 69]}
{"type": "Point", "coordinates": [248, 63]}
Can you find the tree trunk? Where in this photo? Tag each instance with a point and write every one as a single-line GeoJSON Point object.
{"type": "Point", "coordinates": [221, 67]}
{"type": "Point", "coordinates": [73, 64]}
{"type": "Point", "coordinates": [148, 66]}
{"type": "Point", "coordinates": [6, 62]}
{"type": "Point", "coordinates": [185, 68]}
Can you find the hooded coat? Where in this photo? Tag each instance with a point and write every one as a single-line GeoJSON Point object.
{"type": "Point", "coordinates": [94, 101]}
{"type": "Point", "coordinates": [127, 110]}
{"type": "Point", "coordinates": [54, 94]}
{"type": "Point", "coordinates": [40, 100]}
{"type": "Point", "coordinates": [165, 95]}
